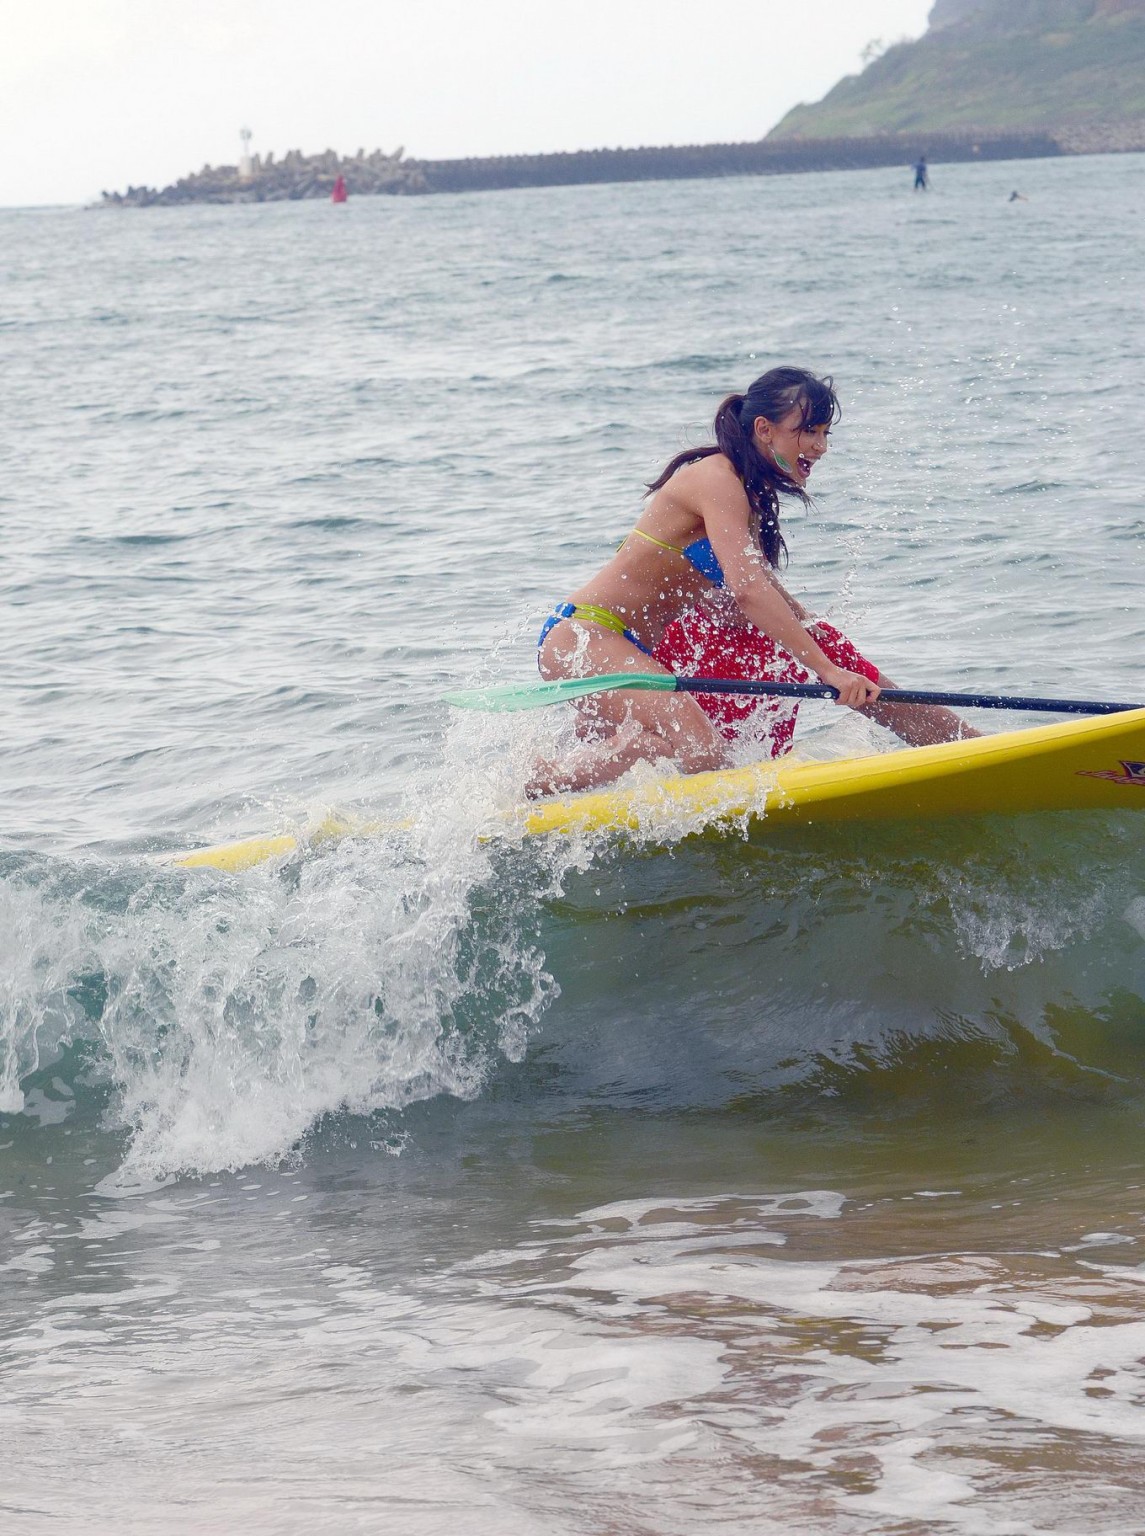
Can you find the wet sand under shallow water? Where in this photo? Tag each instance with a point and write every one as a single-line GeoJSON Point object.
{"type": "Point", "coordinates": [919, 1321]}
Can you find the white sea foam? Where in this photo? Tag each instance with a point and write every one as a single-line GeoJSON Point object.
{"type": "Point", "coordinates": [235, 1013]}
{"type": "Point", "coordinates": [662, 1349]}
{"type": "Point", "coordinates": [895, 1375]}
{"type": "Point", "coordinates": [1134, 914]}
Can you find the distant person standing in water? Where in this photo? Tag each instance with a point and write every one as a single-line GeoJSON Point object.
{"type": "Point", "coordinates": [921, 175]}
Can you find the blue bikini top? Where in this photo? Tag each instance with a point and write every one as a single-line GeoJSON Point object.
{"type": "Point", "coordinates": [699, 554]}
{"type": "Point", "coordinates": [703, 557]}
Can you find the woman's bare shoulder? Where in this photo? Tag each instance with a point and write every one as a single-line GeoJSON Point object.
{"type": "Point", "coordinates": [709, 482]}
{"type": "Point", "coordinates": [704, 476]}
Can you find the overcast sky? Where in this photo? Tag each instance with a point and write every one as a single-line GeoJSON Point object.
{"type": "Point", "coordinates": [102, 93]}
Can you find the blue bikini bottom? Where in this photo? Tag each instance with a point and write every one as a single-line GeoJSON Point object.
{"type": "Point", "coordinates": [589, 613]}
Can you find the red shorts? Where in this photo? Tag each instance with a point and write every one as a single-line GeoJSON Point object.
{"type": "Point", "coordinates": [699, 646]}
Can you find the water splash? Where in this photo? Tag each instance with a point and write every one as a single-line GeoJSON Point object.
{"type": "Point", "coordinates": [228, 1016]}
{"type": "Point", "coordinates": [224, 1019]}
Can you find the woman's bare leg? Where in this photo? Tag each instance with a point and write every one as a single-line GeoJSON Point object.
{"type": "Point", "coordinates": [634, 726]}
{"type": "Point", "coordinates": [596, 762]}
{"type": "Point", "coordinates": [919, 725]}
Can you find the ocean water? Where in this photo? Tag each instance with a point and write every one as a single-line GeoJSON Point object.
{"type": "Point", "coordinates": [763, 1182]}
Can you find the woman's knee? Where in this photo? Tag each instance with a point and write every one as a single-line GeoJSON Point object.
{"type": "Point", "coordinates": [704, 757]}
{"type": "Point", "coordinates": [693, 740]}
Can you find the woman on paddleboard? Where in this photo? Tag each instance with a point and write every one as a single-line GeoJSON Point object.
{"type": "Point", "coordinates": [711, 527]}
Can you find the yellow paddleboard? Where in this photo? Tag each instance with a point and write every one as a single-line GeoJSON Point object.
{"type": "Point", "coordinates": [1090, 764]}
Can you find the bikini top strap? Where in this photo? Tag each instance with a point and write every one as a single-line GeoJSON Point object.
{"type": "Point", "coordinates": [699, 554]}
{"type": "Point", "coordinates": [647, 537]}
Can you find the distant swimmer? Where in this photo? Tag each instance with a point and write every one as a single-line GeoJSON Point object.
{"type": "Point", "coordinates": [921, 175]}
{"type": "Point", "coordinates": [1016, 197]}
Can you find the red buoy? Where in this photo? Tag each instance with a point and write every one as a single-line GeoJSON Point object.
{"type": "Point", "coordinates": [339, 193]}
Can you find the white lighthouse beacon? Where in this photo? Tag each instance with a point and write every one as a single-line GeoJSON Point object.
{"type": "Point", "coordinates": [246, 166]}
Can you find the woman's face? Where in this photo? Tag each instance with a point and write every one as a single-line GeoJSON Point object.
{"type": "Point", "coordinates": [795, 449]}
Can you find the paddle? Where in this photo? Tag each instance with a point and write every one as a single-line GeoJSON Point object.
{"type": "Point", "coordinates": [537, 695]}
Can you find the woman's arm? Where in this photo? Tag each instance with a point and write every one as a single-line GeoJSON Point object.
{"type": "Point", "coordinates": [796, 607]}
{"type": "Point", "coordinates": [722, 503]}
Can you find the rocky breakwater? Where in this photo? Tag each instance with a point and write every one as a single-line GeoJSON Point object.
{"type": "Point", "coordinates": [292, 178]}
{"type": "Point", "coordinates": [1101, 138]}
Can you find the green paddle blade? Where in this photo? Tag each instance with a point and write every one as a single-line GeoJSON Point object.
{"type": "Point", "coordinates": [537, 695]}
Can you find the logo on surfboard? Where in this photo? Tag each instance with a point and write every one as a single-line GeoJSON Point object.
{"type": "Point", "coordinates": [1130, 773]}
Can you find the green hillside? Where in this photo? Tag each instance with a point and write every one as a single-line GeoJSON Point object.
{"type": "Point", "coordinates": [988, 64]}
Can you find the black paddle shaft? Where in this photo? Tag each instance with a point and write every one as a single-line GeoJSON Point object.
{"type": "Point", "coordinates": [903, 696]}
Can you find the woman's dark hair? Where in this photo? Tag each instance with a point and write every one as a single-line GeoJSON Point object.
{"type": "Point", "coordinates": [774, 395]}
